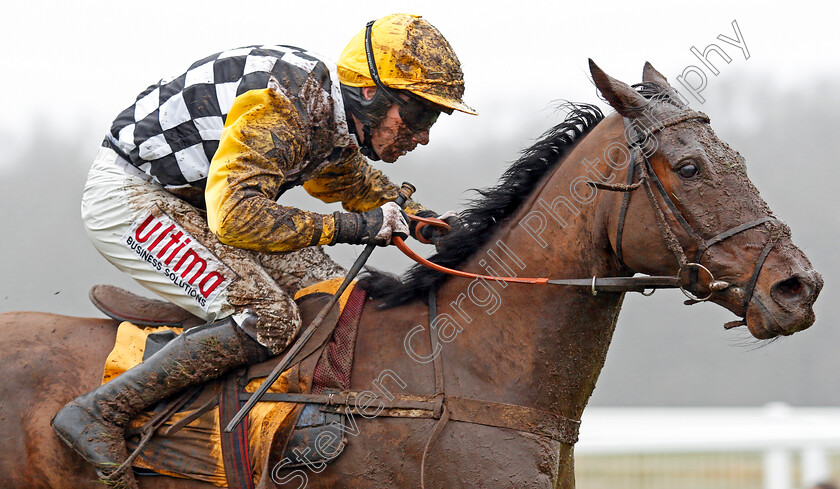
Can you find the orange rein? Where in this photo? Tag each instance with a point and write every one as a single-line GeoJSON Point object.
{"type": "Point", "coordinates": [434, 266]}
{"type": "Point", "coordinates": [609, 284]}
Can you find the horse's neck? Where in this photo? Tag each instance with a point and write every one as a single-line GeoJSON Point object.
{"type": "Point", "coordinates": [539, 345]}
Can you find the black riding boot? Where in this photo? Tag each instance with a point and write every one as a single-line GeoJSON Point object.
{"type": "Point", "coordinates": [94, 424]}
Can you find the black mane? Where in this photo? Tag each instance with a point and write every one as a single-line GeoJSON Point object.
{"type": "Point", "coordinates": [483, 214]}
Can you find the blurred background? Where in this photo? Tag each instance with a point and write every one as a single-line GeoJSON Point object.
{"type": "Point", "coordinates": [70, 67]}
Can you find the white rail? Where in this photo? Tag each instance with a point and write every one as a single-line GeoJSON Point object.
{"type": "Point", "coordinates": [776, 430]}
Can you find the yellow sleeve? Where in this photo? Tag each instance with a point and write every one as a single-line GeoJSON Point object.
{"type": "Point", "coordinates": [264, 140]}
{"type": "Point", "coordinates": [357, 185]}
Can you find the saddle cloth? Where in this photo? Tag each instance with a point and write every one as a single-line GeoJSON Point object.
{"type": "Point", "coordinates": [195, 451]}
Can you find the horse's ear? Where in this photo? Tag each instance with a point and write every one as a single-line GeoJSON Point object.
{"type": "Point", "coordinates": [619, 95]}
{"type": "Point", "coordinates": [649, 74]}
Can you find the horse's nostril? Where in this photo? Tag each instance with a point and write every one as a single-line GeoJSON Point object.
{"type": "Point", "coordinates": [791, 287]}
{"type": "Point", "coordinates": [790, 290]}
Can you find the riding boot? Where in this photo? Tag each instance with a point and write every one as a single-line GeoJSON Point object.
{"type": "Point", "coordinates": [94, 424]}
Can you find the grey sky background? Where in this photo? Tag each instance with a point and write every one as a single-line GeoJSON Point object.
{"type": "Point", "coordinates": [70, 67]}
{"type": "Point", "coordinates": [79, 63]}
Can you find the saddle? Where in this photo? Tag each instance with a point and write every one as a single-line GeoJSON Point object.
{"type": "Point", "coordinates": [321, 367]}
{"type": "Point", "coordinates": [123, 305]}
{"type": "Point", "coordinates": [321, 373]}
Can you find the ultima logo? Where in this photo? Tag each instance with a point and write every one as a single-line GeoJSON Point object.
{"type": "Point", "coordinates": [169, 250]}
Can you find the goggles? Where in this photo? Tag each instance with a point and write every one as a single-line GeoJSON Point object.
{"type": "Point", "coordinates": [417, 114]}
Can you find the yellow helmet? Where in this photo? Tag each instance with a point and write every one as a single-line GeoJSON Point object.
{"type": "Point", "coordinates": [409, 54]}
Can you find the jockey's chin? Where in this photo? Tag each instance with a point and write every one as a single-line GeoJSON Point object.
{"type": "Point", "coordinates": [389, 153]}
{"type": "Point", "coordinates": [393, 155]}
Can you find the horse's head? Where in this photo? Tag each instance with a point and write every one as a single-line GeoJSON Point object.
{"type": "Point", "coordinates": [695, 204]}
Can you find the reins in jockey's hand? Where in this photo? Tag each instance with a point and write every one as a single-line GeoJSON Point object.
{"type": "Point", "coordinates": [640, 164]}
{"type": "Point", "coordinates": [405, 193]}
{"type": "Point", "coordinates": [437, 226]}
{"type": "Point", "coordinates": [606, 284]}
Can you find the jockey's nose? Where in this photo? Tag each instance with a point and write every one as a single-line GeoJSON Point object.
{"type": "Point", "coordinates": [421, 137]}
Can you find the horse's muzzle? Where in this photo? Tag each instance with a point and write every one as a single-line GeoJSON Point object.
{"type": "Point", "coordinates": [787, 307]}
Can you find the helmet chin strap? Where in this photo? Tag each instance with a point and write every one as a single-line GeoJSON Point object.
{"type": "Point", "coordinates": [367, 145]}
{"type": "Point", "coordinates": [374, 71]}
{"type": "Point", "coordinates": [369, 112]}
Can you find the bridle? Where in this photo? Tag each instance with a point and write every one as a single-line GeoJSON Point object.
{"type": "Point", "coordinates": [639, 161]}
{"type": "Point", "coordinates": [640, 165]}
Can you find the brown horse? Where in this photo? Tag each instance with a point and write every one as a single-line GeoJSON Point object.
{"type": "Point", "coordinates": [539, 346]}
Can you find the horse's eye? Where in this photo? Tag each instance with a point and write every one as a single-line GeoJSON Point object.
{"type": "Point", "coordinates": [688, 170]}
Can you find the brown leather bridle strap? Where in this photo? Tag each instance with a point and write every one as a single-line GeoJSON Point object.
{"type": "Point", "coordinates": [665, 229]}
{"type": "Point", "coordinates": [688, 115]}
{"type": "Point", "coordinates": [625, 203]}
{"type": "Point", "coordinates": [732, 232]}
{"type": "Point", "coordinates": [771, 242]}
{"type": "Point", "coordinates": [646, 175]}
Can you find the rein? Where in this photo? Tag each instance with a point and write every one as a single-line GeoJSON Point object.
{"type": "Point", "coordinates": [639, 163]}
{"type": "Point", "coordinates": [595, 284]}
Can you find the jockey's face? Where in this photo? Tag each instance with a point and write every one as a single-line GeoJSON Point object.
{"type": "Point", "coordinates": [392, 138]}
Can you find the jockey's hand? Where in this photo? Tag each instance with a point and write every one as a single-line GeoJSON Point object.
{"type": "Point", "coordinates": [433, 234]}
{"type": "Point", "coordinates": [372, 227]}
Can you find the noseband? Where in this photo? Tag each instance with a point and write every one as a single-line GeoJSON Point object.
{"type": "Point", "coordinates": [640, 163]}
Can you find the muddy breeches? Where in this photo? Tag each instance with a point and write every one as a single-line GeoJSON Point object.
{"type": "Point", "coordinates": [164, 243]}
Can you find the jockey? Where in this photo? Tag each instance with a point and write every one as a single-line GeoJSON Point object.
{"type": "Point", "coordinates": [183, 197]}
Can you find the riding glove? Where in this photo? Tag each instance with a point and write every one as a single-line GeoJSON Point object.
{"type": "Point", "coordinates": [376, 226]}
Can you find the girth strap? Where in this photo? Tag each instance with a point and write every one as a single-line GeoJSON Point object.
{"type": "Point", "coordinates": [476, 411]}
{"type": "Point", "coordinates": [441, 411]}
{"type": "Point", "coordinates": [515, 417]}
